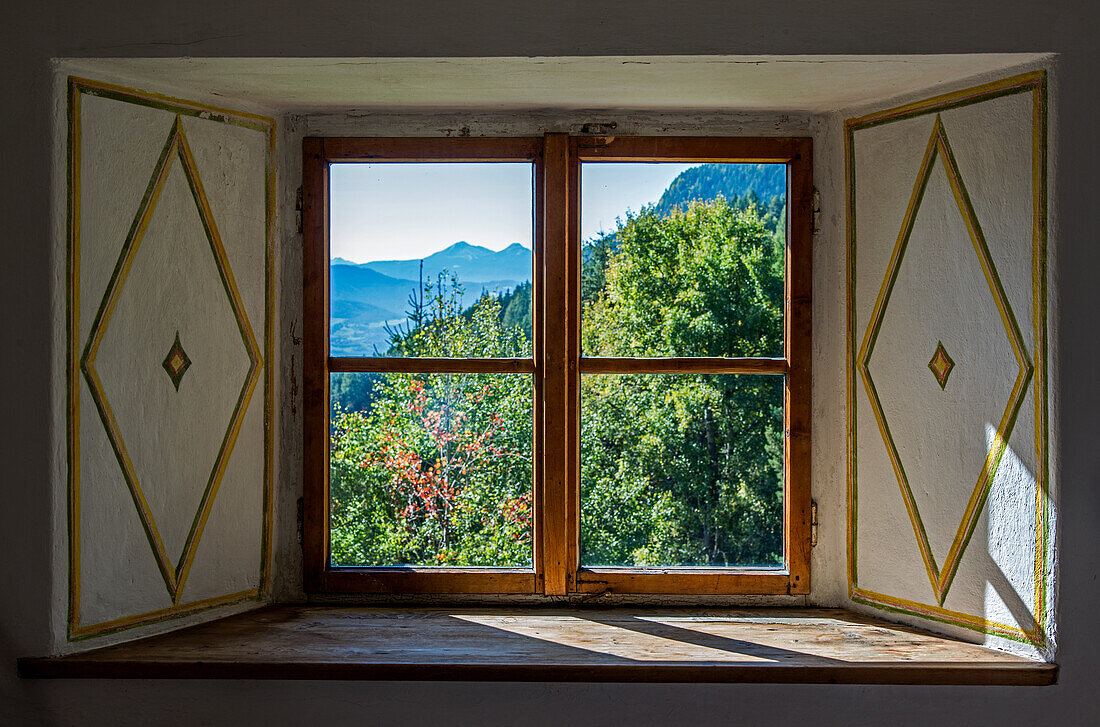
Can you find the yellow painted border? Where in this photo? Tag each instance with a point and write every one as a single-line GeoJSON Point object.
{"type": "Point", "coordinates": [1034, 83]}
{"type": "Point", "coordinates": [150, 617]}
{"type": "Point", "coordinates": [173, 104]}
{"type": "Point", "coordinates": [945, 615]}
{"type": "Point", "coordinates": [76, 88]}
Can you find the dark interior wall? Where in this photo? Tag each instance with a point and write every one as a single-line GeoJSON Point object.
{"type": "Point", "coordinates": [33, 32]}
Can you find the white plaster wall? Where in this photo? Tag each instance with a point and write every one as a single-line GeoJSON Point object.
{"type": "Point", "coordinates": [943, 436]}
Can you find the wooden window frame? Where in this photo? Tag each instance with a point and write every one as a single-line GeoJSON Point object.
{"type": "Point", "coordinates": [556, 365]}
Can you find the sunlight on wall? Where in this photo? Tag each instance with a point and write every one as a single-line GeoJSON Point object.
{"type": "Point", "coordinates": [948, 506]}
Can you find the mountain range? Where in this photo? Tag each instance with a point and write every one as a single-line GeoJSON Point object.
{"type": "Point", "coordinates": [469, 263]}
{"type": "Point", "coordinates": [365, 297]}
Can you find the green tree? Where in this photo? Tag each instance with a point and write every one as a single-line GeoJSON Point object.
{"type": "Point", "coordinates": [685, 469]}
{"type": "Point", "coordinates": [515, 309]}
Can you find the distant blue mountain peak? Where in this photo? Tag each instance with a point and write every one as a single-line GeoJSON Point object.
{"type": "Point", "coordinates": [470, 263]}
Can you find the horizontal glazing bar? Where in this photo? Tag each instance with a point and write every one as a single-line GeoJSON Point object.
{"type": "Point", "coordinates": [683, 365]}
{"type": "Point", "coordinates": [734, 581]}
{"type": "Point", "coordinates": [397, 580]}
{"type": "Point", "coordinates": [337, 364]}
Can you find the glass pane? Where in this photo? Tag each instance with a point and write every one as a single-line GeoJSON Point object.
{"type": "Point", "coordinates": [431, 246]}
{"type": "Point", "coordinates": [430, 469]}
{"type": "Point", "coordinates": [681, 470]}
{"type": "Point", "coordinates": [682, 259]}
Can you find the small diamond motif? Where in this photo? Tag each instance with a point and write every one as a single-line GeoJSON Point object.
{"type": "Point", "coordinates": [176, 362]}
{"type": "Point", "coordinates": [941, 365]}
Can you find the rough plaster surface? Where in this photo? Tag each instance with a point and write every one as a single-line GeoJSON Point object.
{"type": "Point", "coordinates": [941, 294]}
{"type": "Point", "coordinates": [172, 286]}
{"type": "Point", "coordinates": [674, 83]}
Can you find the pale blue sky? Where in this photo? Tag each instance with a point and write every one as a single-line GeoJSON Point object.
{"type": "Point", "coordinates": [392, 211]}
{"type": "Point", "coordinates": [609, 189]}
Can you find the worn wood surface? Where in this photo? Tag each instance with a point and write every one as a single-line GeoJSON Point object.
{"type": "Point", "coordinates": [693, 149]}
{"type": "Point", "coordinates": [693, 580]}
{"type": "Point", "coordinates": [425, 579]}
{"type": "Point", "coordinates": [315, 386]}
{"type": "Point", "coordinates": [555, 371]}
{"type": "Point", "coordinates": [429, 149]}
{"type": "Point", "coordinates": [798, 344]}
{"type": "Point", "coordinates": [617, 645]}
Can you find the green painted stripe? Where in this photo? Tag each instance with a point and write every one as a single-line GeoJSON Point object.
{"type": "Point", "coordinates": [213, 481]}
{"type": "Point", "coordinates": [910, 222]}
{"type": "Point", "coordinates": [174, 108]}
{"type": "Point", "coordinates": [161, 619]}
{"type": "Point", "coordinates": [1012, 635]}
{"type": "Point", "coordinates": [994, 467]}
{"type": "Point", "coordinates": [947, 106]}
{"type": "Point", "coordinates": [1044, 425]}
{"type": "Point", "coordinates": [116, 446]}
{"type": "Point", "coordinates": [209, 227]}
{"type": "Point", "coordinates": [1017, 336]}
{"type": "Point", "coordinates": [129, 243]}
{"type": "Point", "coordinates": [76, 88]}
{"type": "Point", "coordinates": [904, 480]}
{"type": "Point", "coordinates": [876, 327]}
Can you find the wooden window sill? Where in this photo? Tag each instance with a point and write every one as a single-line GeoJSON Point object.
{"type": "Point", "coordinates": [540, 644]}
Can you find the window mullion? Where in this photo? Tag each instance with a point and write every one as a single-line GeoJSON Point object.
{"type": "Point", "coordinates": [573, 332]}
{"type": "Point", "coordinates": [558, 567]}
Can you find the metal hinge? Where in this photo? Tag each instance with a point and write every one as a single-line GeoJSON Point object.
{"type": "Point", "coordinates": [596, 134]}
{"type": "Point", "coordinates": [594, 128]}
{"type": "Point", "coordinates": [298, 209]}
{"type": "Point", "coordinates": [815, 217]}
{"type": "Point", "coordinates": [813, 524]}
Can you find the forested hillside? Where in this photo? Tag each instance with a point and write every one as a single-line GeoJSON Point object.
{"type": "Point", "coordinates": [755, 182]}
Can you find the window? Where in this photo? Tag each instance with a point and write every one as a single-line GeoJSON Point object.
{"type": "Point", "coordinates": [634, 419]}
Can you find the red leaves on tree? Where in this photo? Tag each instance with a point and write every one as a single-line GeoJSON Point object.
{"type": "Point", "coordinates": [427, 455]}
